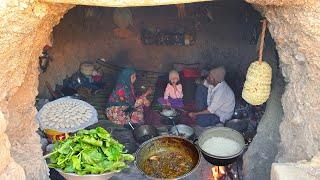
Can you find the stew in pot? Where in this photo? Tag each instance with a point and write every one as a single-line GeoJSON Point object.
{"type": "Point", "coordinates": [167, 164]}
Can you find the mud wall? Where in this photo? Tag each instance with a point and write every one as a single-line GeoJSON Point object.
{"type": "Point", "coordinates": [296, 31]}
{"type": "Point", "coordinates": [230, 40]}
{"type": "Point", "coordinates": [263, 150]}
{"type": "Point", "coordinates": [24, 29]}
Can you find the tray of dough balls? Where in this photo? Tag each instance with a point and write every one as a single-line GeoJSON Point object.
{"type": "Point", "coordinates": [66, 115]}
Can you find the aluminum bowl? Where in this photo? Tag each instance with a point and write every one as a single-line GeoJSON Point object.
{"type": "Point", "coordinates": [73, 176]}
{"type": "Point", "coordinates": [184, 130]}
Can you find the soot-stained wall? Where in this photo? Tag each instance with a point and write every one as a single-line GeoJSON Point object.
{"type": "Point", "coordinates": [229, 40]}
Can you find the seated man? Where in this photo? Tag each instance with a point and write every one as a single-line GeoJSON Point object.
{"type": "Point", "coordinates": [214, 100]}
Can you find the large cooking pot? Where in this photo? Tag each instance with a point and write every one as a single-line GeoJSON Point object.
{"type": "Point", "coordinates": [225, 133]}
{"type": "Point", "coordinates": [170, 145]}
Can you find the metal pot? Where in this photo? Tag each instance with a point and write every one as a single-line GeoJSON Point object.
{"type": "Point", "coordinates": [225, 133]}
{"type": "Point", "coordinates": [144, 133]}
{"type": "Point", "coordinates": [168, 144]}
{"type": "Point", "coordinates": [184, 131]}
{"type": "Point", "coordinates": [167, 120]}
{"type": "Point", "coordinates": [240, 125]}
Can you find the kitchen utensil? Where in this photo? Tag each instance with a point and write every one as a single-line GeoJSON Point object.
{"type": "Point", "coordinates": [174, 125]}
{"type": "Point", "coordinates": [168, 119]}
{"type": "Point", "coordinates": [225, 133]}
{"type": "Point", "coordinates": [144, 133]}
{"type": "Point", "coordinates": [73, 176]}
{"type": "Point", "coordinates": [240, 125]}
{"type": "Point", "coordinates": [129, 122]}
{"type": "Point", "coordinates": [184, 130]}
{"type": "Point", "coordinates": [169, 144]}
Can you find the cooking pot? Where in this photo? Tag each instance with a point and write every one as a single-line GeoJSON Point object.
{"type": "Point", "coordinates": [144, 133]}
{"type": "Point", "coordinates": [240, 125]}
{"type": "Point", "coordinates": [184, 131]}
{"type": "Point", "coordinates": [170, 144]}
{"type": "Point", "coordinates": [168, 120]}
{"type": "Point", "coordinates": [223, 132]}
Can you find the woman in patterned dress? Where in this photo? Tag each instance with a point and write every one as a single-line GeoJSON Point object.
{"type": "Point", "coordinates": [123, 104]}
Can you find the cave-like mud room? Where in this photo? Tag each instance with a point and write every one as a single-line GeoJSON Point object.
{"type": "Point", "coordinates": [68, 65]}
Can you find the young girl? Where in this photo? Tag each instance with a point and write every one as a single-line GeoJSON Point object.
{"type": "Point", "coordinates": [173, 93]}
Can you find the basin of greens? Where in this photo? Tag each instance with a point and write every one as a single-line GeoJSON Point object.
{"type": "Point", "coordinates": [89, 152]}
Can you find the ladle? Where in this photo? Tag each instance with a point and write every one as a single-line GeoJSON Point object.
{"type": "Point", "coordinates": [131, 125]}
{"type": "Point", "coordinates": [174, 124]}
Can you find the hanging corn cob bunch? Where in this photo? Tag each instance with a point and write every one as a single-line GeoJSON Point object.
{"type": "Point", "coordinates": [257, 87]}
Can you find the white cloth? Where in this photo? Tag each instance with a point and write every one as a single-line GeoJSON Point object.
{"type": "Point", "coordinates": [220, 100]}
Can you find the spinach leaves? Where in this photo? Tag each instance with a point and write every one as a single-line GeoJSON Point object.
{"type": "Point", "coordinates": [89, 152]}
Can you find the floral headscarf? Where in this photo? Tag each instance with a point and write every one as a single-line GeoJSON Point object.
{"type": "Point", "coordinates": [123, 94]}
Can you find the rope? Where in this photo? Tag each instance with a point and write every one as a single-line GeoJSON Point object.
{"type": "Point", "coordinates": [262, 35]}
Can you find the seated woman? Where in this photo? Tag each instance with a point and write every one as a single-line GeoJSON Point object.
{"type": "Point", "coordinates": [173, 93]}
{"type": "Point", "coordinates": [123, 105]}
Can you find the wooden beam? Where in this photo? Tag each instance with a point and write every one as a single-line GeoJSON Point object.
{"type": "Point", "coordinates": [122, 3]}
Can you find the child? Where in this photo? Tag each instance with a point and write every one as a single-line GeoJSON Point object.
{"type": "Point", "coordinates": [173, 93]}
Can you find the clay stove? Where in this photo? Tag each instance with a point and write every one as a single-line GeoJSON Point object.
{"type": "Point", "coordinates": [229, 172]}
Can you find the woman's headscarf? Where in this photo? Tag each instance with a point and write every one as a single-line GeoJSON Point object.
{"type": "Point", "coordinates": [125, 76]}
{"type": "Point", "coordinates": [124, 88]}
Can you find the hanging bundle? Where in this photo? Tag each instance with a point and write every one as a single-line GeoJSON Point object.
{"type": "Point", "coordinates": [257, 87]}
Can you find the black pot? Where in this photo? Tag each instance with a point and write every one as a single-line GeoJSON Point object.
{"type": "Point", "coordinates": [221, 132]}
{"type": "Point", "coordinates": [144, 133]}
{"type": "Point", "coordinates": [240, 125]}
{"type": "Point", "coordinates": [218, 161]}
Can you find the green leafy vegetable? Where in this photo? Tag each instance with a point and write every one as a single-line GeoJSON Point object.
{"type": "Point", "coordinates": [92, 141]}
{"type": "Point", "coordinates": [89, 152]}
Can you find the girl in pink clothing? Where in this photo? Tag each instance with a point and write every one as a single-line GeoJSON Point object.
{"type": "Point", "coordinates": [173, 94]}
